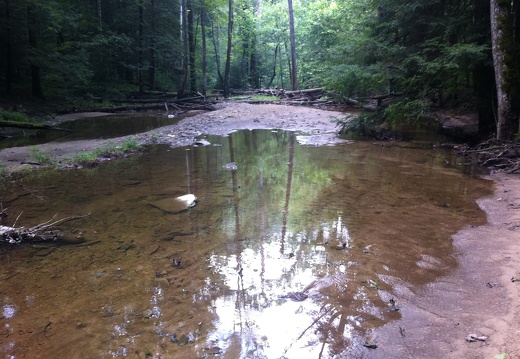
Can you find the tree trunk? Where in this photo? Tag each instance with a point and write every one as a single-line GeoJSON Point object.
{"type": "Point", "coordinates": [274, 65]}
{"type": "Point", "coordinates": [216, 46]}
{"type": "Point", "coordinates": [294, 79]}
{"type": "Point", "coordinates": [151, 50]}
{"type": "Point", "coordinates": [140, 64]}
{"type": "Point", "coordinates": [99, 15]}
{"type": "Point", "coordinates": [228, 52]}
{"type": "Point", "coordinates": [191, 46]}
{"type": "Point", "coordinates": [483, 73]}
{"type": "Point", "coordinates": [36, 84]}
{"type": "Point", "coordinates": [506, 73]}
{"type": "Point", "coordinates": [204, 51]}
{"type": "Point", "coordinates": [184, 31]}
{"type": "Point", "coordinates": [8, 50]}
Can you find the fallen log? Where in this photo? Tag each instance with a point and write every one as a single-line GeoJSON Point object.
{"type": "Point", "coordinates": [39, 233]}
{"type": "Point", "coordinates": [30, 126]}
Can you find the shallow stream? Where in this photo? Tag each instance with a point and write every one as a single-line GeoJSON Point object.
{"type": "Point", "coordinates": [298, 253]}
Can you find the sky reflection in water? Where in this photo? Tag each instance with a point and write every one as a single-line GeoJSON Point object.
{"type": "Point", "coordinates": [352, 226]}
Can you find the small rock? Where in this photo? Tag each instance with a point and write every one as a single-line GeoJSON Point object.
{"type": "Point", "coordinates": [231, 166]}
{"type": "Point", "coordinates": [202, 142]}
{"type": "Point", "coordinates": [471, 338]}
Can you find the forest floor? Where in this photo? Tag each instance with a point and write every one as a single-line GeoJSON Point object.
{"type": "Point", "coordinates": [481, 297]}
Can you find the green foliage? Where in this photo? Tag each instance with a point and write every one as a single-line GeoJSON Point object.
{"type": "Point", "coordinates": [4, 172]}
{"type": "Point", "coordinates": [378, 124]}
{"type": "Point", "coordinates": [424, 49]}
{"type": "Point", "coordinates": [405, 111]}
{"type": "Point", "coordinates": [13, 116]}
{"type": "Point", "coordinates": [354, 80]}
{"type": "Point", "coordinates": [109, 151]}
{"type": "Point", "coordinates": [41, 157]}
{"type": "Point", "coordinates": [366, 124]}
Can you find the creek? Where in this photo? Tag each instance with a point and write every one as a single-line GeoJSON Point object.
{"type": "Point", "coordinates": [357, 227]}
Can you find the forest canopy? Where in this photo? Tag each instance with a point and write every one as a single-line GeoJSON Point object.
{"type": "Point", "coordinates": [434, 52]}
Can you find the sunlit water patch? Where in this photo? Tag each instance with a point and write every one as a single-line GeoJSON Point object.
{"type": "Point", "coordinates": [293, 251]}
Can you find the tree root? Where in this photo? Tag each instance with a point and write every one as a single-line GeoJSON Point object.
{"type": "Point", "coordinates": [495, 155]}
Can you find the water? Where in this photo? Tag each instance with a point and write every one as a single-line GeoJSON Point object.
{"type": "Point", "coordinates": [111, 126]}
{"type": "Point", "coordinates": [352, 226]}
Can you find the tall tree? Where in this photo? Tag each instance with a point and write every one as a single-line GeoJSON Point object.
{"type": "Point", "coordinates": [151, 48]}
{"type": "Point", "coordinates": [506, 68]}
{"type": "Point", "coordinates": [204, 50]}
{"type": "Point", "coordinates": [483, 72]}
{"type": "Point", "coordinates": [184, 31]}
{"type": "Point", "coordinates": [292, 36]}
{"type": "Point", "coordinates": [191, 44]}
{"type": "Point", "coordinates": [32, 31]}
{"type": "Point", "coordinates": [140, 64]}
{"type": "Point", "coordinates": [227, 69]}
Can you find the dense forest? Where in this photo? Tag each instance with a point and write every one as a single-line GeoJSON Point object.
{"type": "Point", "coordinates": [457, 53]}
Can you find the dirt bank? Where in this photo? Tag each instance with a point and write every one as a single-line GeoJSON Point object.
{"type": "Point", "coordinates": [478, 298]}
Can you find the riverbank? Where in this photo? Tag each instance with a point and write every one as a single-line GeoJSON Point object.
{"type": "Point", "coordinates": [482, 297]}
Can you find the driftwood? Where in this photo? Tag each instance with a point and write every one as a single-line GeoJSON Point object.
{"type": "Point", "coordinates": [39, 233]}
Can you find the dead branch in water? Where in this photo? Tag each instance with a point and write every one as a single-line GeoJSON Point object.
{"type": "Point", "coordinates": [38, 233]}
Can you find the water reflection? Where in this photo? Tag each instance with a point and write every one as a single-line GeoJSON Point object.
{"type": "Point", "coordinates": [110, 126]}
{"type": "Point", "coordinates": [350, 227]}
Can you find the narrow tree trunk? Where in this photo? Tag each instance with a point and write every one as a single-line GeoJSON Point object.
{"type": "Point", "coordinates": [151, 50]}
{"type": "Point", "coordinates": [216, 46]}
{"type": "Point", "coordinates": [140, 64]}
{"type": "Point", "coordinates": [184, 30]}
{"type": "Point", "coordinates": [253, 71]}
{"type": "Point", "coordinates": [204, 50]}
{"type": "Point", "coordinates": [270, 83]}
{"type": "Point", "coordinates": [506, 73]}
{"type": "Point", "coordinates": [99, 15]}
{"type": "Point", "coordinates": [8, 50]}
{"type": "Point", "coordinates": [36, 84]}
{"type": "Point", "coordinates": [294, 79]}
{"type": "Point", "coordinates": [191, 46]}
{"type": "Point", "coordinates": [228, 52]}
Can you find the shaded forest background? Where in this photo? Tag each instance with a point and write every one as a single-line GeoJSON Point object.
{"type": "Point", "coordinates": [432, 52]}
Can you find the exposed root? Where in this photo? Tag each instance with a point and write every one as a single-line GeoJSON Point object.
{"type": "Point", "coordinates": [496, 155]}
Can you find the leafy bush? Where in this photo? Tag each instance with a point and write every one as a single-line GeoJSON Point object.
{"type": "Point", "coordinates": [13, 116]}
{"type": "Point", "coordinates": [405, 111]}
{"type": "Point", "coordinates": [365, 125]}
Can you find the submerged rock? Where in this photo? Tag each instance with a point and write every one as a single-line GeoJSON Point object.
{"type": "Point", "coordinates": [232, 166]}
{"type": "Point", "coordinates": [189, 200]}
{"type": "Point", "coordinates": [175, 205]}
{"type": "Point", "coordinates": [201, 142]}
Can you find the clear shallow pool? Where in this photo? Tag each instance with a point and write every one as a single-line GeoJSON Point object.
{"type": "Point", "coordinates": [352, 226]}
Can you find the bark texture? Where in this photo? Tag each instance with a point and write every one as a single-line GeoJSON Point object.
{"type": "Point", "coordinates": [506, 72]}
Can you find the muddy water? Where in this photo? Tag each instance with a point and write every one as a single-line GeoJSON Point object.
{"type": "Point", "coordinates": [347, 228]}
